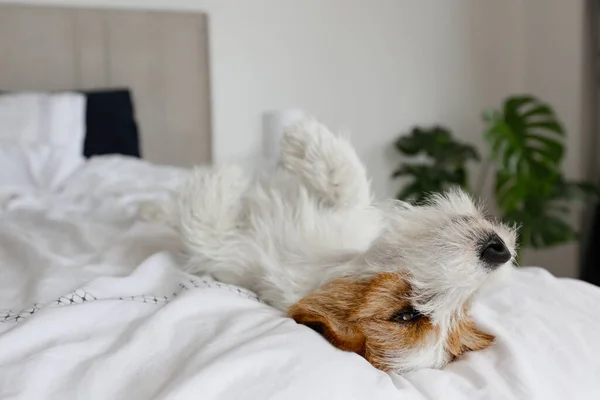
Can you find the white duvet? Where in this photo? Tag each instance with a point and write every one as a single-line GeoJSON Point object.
{"type": "Point", "coordinates": [93, 306]}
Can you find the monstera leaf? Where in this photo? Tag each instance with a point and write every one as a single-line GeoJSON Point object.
{"type": "Point", "coordinates": [526, 141]}
{"type": "Point", "coordinates": [525, 133]}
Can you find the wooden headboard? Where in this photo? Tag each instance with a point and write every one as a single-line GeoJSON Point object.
{"type": "Point", "coordinates": [162, 57]}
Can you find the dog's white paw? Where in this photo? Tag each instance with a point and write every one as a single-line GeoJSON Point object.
{"type": "Point", "coordinates": [305, 142]}
{"type": "Point", "coordinates": [325, 162]}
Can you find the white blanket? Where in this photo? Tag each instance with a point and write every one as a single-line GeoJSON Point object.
{"type": "Point", "coordinates": [95, 307]}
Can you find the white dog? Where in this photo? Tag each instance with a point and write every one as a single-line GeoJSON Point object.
{"type": "Point", "coordinates": [388, 281]}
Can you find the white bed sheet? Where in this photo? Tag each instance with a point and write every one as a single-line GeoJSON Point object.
{"type": "Point", "coordinates": [95, 307]}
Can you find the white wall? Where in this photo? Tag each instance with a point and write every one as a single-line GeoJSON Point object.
{"type": "Point", "coordinates": [378, 67]}
{"type": "Point", "coordinates": [555, 70]}
{"type": "Point", "coordinates": [375, 70]}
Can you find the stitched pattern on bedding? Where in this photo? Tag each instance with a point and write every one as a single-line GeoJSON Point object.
{"type": "Point", "coordinates": [81, 296]}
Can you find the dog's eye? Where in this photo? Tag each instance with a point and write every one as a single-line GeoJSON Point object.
{"type": "Point", "coordinates": [404, 316]}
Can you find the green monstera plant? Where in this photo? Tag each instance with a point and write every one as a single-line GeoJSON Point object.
{"type": "Point", "coordinates": [526, 145]}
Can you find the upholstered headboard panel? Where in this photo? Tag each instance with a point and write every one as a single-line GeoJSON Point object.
{"type": "Point", "coordinates": [162, 57]}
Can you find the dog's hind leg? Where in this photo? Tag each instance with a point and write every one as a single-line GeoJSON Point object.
{"type": "Point", "coordinates": [158, 212]}
{"type": "Point", "coordinates": [327, 164]}
{"type": "Point", "coordinates": [209, 212]}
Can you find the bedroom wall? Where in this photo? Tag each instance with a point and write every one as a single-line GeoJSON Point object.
{"type": "Point", "coordinates": [555, 68]}
{"type": "Point", "coordinates": [377, 68]}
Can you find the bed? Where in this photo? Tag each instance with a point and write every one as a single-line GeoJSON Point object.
{"type": "Point", "coordinates": [93, 303]}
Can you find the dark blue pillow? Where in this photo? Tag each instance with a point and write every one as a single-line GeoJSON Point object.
{"type": "Point", "coordinates": [111, 126]}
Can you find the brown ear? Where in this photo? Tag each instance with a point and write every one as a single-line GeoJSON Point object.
{"type": "Point", "coordinates": [474, 339]}
{"type": "Point", "coordinates": [329, 312]}
{"type": "Point", "coordinates": [467, 337]}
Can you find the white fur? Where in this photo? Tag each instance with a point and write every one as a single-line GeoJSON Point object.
{"type": "Point", "coordinates": [312, 220]}
{"type": "Point", "coordinates": [432, 354]}
{"type": "Point", "coordinates": [286, 233]}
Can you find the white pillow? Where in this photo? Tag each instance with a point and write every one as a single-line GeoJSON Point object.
{"type": "Point", "coordinates": [41, 141]}
{"type": "Point", "coordinates": [55, 119]}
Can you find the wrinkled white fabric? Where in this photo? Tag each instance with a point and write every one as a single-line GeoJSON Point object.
{"type": "Point", "coordinates": [94, 306]}
{"type": "Point", "coordinates": [33, 170]}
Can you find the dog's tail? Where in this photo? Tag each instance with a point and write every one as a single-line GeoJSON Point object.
{"type": "Point", "coordinates": [209, 211]}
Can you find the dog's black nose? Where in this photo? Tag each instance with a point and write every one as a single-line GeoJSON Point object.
{"type": "Point", "coordinates": [494, 252]}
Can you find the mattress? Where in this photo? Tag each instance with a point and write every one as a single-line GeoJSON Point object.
{"type": "Point", "coordinates": [93, 305]}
